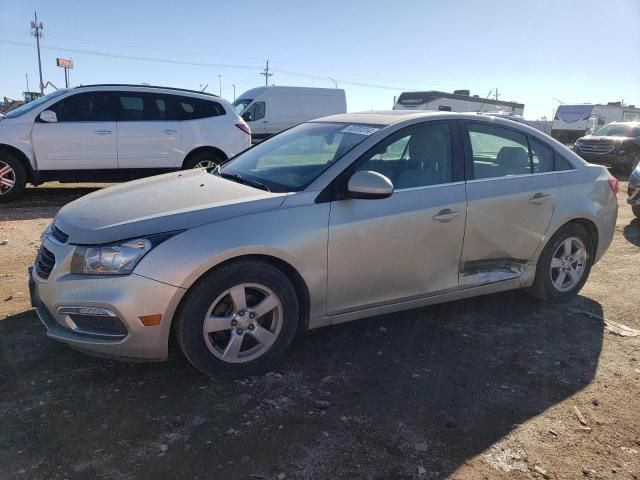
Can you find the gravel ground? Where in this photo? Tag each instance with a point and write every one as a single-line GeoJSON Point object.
{"type": "Point", "coordinates": [481, 388]}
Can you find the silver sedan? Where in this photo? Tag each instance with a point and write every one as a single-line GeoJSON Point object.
{"type": "Point", "coordinates": [334, 220]}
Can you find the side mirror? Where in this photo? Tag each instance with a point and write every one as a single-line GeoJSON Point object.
{"type": "Point", "coordinates": [246, 116]}
{"type": "Point", "coordinates": [370, 185]}
{"type": "Point", "coordinates": [48, 117]}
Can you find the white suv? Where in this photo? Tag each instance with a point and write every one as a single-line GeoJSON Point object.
{"type": "Point", "coordinates": [115, 132]}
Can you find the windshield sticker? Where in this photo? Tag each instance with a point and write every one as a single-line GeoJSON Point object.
{"type": "Point", "coordinates": [359, 130]}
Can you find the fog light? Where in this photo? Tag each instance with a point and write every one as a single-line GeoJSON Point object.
{"type": "Point", "coordinates": [151, 320]}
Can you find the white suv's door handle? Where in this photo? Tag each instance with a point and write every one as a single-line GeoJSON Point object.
{"type": "Point", "coordinates": [169, 132]}
{"type": "Point", "coordinates": [446, 215]}
{"type": "Point", "coordinates": [540, 198]}
{"type": "Point", "coordinates": [103, 132]}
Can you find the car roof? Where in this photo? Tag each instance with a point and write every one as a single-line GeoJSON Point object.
{"type": "Point", "coordinates": [137, 87]}
{"type": "Point", "coordinates": [389, 117]}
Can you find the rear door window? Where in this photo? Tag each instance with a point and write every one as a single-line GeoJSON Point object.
{"type": "Point", "coordinates": [498, 151]}
{"type": "Point", "coordinates": [142, 106]}
{"type": "Point", "coordinates": [541, 156]}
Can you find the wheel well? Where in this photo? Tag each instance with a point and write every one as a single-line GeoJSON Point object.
{"type": "Point", "coordinates": [292, 274]}
{"type": "Point", "coordinates": [590, 227]}
{"type": "Point", "coordinates": [195, 151]}
{"type": "Point", "coordinates": [19, 154]}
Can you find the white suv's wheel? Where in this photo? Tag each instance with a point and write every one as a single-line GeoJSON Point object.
{"type": "Point", "coordinates": [204, 159]}
{"type": "Point", "coordinates": [13, 177]}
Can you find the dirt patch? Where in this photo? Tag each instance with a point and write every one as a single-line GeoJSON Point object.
{"type": "Point", "coordinates": [482, 388]}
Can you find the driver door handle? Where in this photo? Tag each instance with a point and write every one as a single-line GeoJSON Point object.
{"type": "Point", "coordinates": [446, 215]}
{"type": "Point", "coordinates": [103, 132]}
{"type": "Point", "coordinates": [169, 132]}
{"type": "Point", "coordinates": [540, 198]}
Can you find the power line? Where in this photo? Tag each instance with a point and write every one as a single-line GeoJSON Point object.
{"type": "Point", "coordinates": [304, 67]}
{"type": "Point", "coordinates": [270, 71]}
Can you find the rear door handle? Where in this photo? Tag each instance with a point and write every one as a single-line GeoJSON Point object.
{"type": "Point", "coordinates": [446, 215]}
{"type": "Point", "coordinates": [169, 132]}
{"type": "Point", "coordinates": [540, 198]}
{"type": "Point", "coordinates": [103, 132]}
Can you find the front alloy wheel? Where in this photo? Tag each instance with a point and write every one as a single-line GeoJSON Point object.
{"type": "Point", "coordinates": [243, 323]}
{"type": "Point", "coordinates": [7, 178]}
{"type": "Point", "coordinates": [238, 319]}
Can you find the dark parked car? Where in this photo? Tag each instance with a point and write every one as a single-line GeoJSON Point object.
{"type": "Point", "coordinates": [634, 191]}
{"type": "Point", "coordinates": [616, 145]}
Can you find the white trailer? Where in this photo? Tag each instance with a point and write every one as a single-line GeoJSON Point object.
{"type": "Point", "coordinates": [574, 121]}
{"type": "Point", "coordinates": [458, 101]}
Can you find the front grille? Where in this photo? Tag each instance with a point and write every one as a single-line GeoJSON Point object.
{"type": "Point", "coordinates": [59, 235]}
{"type": "Point", "coordinates": [44, 263]}
{"type": "Point", "coordinates": [99, 325]}
{"type": "Point", "coordinates": [596, 148]}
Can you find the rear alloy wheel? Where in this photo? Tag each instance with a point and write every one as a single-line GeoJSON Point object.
{"type": "Point", "coordinates": [238, 319]}
{"type": "Point", "coordinates": [204, 159]}
{"type": "Point", "coordinates": [568, 264]}
{"type": "Point", "coordinates": [12, 178]}
{"type": "Point", "coordinates": [564, 265]}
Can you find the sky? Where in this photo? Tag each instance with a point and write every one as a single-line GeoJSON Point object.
{"type": "Point", "coordinates": [539, 53]}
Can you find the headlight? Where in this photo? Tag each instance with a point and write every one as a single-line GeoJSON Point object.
{"type": "Point", "coordinates": [115, 259]}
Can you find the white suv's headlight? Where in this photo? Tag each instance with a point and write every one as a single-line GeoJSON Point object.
{"type": "Point", "coordinates": [115, 259]}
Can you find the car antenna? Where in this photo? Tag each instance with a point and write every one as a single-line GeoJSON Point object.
{"type": "Point", "coordinates": [205, 87]}
{"type": "Point", "coordinates": [485, 98]}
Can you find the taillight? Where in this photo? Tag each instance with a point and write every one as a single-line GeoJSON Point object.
{"type": "Point", "coordinates": [244, 127]}
{"type": "Point", "coordinates": [614, 184]}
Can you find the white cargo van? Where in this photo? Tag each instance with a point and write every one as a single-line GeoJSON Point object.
{"type": "Point", "coordinates": [573, 121]}
{"type": "Point", "coordinates": [269, 110]}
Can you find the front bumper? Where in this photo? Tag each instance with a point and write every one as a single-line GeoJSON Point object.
{"type": "Point", "coordinates": [125, 297]}
{"type": "Point", "coordinates": [633, 191]}
{"type": "Point", "coordinates": [611, 159]}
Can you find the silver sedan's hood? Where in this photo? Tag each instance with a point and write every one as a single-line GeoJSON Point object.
{"type": "Point", "coordinates": [174, 201]}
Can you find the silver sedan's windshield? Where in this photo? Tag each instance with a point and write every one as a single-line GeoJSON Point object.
{"type": "Point", "coordinates": [290, 161]}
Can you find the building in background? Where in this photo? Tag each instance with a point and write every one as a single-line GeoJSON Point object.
{"type": "Point", "coordinates": [458, 101]}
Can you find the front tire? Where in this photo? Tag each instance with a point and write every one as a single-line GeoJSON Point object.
{"type": "Point", "coordinates": [238, 320]}
{"type": "Point", "coordinates": [564, 265]}
{"type": "Point", "coordinates": [13, 177]}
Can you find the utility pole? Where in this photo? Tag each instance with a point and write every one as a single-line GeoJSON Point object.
{"type": "Point", "coordinates": [234, 91]}
{"type": "Point", "coordinates": [219, 85]}
{"type": "Point", "coordinates": [26, 75]}
{"type": "Point", "coordinates": [36, 31]}
{"type": "Point", "coordinates": [335, 83]}
{"type": "Point", "coordinates": [497, 94]}
{"type": "Point", "coordinates": [266, 75]}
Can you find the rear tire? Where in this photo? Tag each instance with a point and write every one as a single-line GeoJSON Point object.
{"type": "Point", "coordinates": [221, 327]}
{"type": "Point", "coordinates": [563, 268]}
{"type": "Point", "coordinates": [204, 159]}
{"type": "Point", "coordinates": [13, 177]}
{"type": "Point", "coordinates": [636, 210]}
